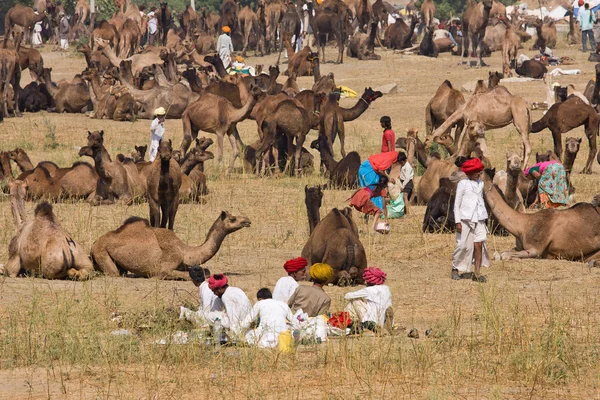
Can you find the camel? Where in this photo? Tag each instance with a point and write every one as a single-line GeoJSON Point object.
{"type": "Point", "coordinates": [247, 20]}
{"type": "Point", "coordinates": [568, 234]}
{"type": "Point", "coordinates": [274, 11]}
{"type": "Point", "coordinates": [82, 10]}
{"type": "Point", "coordinates": [215, 114]}
{"type": "Point", "coordinates": [567, 115]}
{"type": "Point", "coordinates": [506, 109]}
{"type": "Point", "coordinates": [532, 69]}
{"type": "Point", "coordinates": [10, 73]}
{"type": "Point", "coordinates": [334, 241]}
{"type": "Point", "coordinates": [105, 31]}
{"type": "Point", "coordinates": [24, 17]}
{"type": "Point", "coordinates": [343, 174]}
{"type": "Point", "coordinates": [140, 249]}
{"type": "Point", "coordinates": [427, 13]}
{"type": "Point", "coordinates": [327, 24]}
{"type": "Point", "coordinates": [475, 20]}
{"type": "Point", "coordinates": [138, 61]}
{"type": "Point", "coordinates": [94, 59]}
{"type": "Point", "coordinates": [398, 36]}
{"type": "Point", "coordinates": [512, 195]}
{"type": "Point", "coordinates": [364, 15]}
{"type": "Point", "coordinates": [163, 15]}
{"type": "Point", "coordinates": [443, 104]}
{"type": "Point", "coordinates": [574, 35]}
{"type": "Point", "coordinates": [362, 46]}
{"type": "Point", "coordinates": [18, 191]}
{"type": "Point", "coordinates": [69, 97]}
{"type": "Point", "coordinates": [510, 47]}
{"type": "Point", "coordinates": [188, 20]}
{"type": "Point", "coordinates": [164, 181]}
{"type": "Point", "coordinates": [290, 25]}
{"type": "Point", "coordinates": [546, 34]}
{"type": "Point", "coordinates": [42, 247]}
{"type": "Point", "coordinates": [129, 38]}
{"type": "Point", "coordinates": [334, 116]}
{"type": "Point", "coordinates": [35, 97]}
{"type": "Point", "coordinates": [5, 167]}
{"type": "Point", "coordinates": [304, 63]}
{"type": "Point", "coordinates": [439, 214]}
{"type": "Point", "coordinates": [572, 145]}
{"type": "Point", "coordinates": [380, 14]}
{"type": "Point", "coordinates": [113, 183]}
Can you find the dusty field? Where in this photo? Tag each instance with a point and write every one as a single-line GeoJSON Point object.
{"type": "Point", "coordinates": [532, 331]}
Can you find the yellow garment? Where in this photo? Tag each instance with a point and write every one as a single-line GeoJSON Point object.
{"type": "Point", "coordinates": [239, 59]}
{"type": "Point", "coordinates": [321, 272]}
{"type": "Point", "coordinates": [345, 91]}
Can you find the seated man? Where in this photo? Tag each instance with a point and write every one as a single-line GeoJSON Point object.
{"type": "Point", "coordinates": [371, 307]}
{"type": "Point", "coordinates": [272, 316]}
{"type": "Point", "coordinates": [208, 301]}
{"type": "Point", "coordinates": [235, 302]}
{"type": "Point", "coordinates": [285, 287]}
{"type": "Point", "coordinates": [312, 299]}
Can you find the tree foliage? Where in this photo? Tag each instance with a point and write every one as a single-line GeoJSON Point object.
{"type": "Point", "coordinates": [446, 8]}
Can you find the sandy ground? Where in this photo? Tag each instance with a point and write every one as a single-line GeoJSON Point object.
{"type": "Point", "coordinates": [418, 265]}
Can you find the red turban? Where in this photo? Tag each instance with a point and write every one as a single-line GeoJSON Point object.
{"type": "Point", "coordinates": [580, 2]}
{"type": "Point", "coordinates": [340, 319]}
{"type": "Point", "coordinates": [374, 276]}
{"type": "Point", "coordinates": [217, 281]}
{"type": "Point", "coordinates": [295, 264]}
{"type": "Point", "coordinates": [471, 166]}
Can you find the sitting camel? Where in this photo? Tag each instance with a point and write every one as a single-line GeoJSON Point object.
{"type": "Point", "coordinates": [362, 46]}
{"type": "Point", "coordinates": [164, 181]}
{"type": "Point", "coordinates": [140, 249]}
{"type": "Point", "coordinates": [439, 214]}
{"type": "Point", "coordinates": [494, 109]}
{"type": "Point", "coordinates": [567, 115]}
{"type": "Point", "coordinates": [42, 247]}
{"type": "Point", "coordinates": [343, 174]}
{"type": "Point", "coordinates": [334, 241]}
{"type": "Point", "coordinates": [569, 234]}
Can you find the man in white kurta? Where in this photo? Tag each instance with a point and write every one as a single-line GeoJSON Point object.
{"type": "Point", "coordinates": [157, 131]}
{"type": "Point", "coordinates": [235, 302]}
{"type": "Point", "coordinates": [286, 286]}
{"type": "Point", "coordinates": [208, 301]}
{"type": "Point", "coordinates": [225, 47]}
{"type": "Point", "coordinates": [372, 304]}
{"type": "Point", "coordinates": [273, 316]}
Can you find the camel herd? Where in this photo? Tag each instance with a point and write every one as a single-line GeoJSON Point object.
{"type": "Point", "coordinates": [125, 81]}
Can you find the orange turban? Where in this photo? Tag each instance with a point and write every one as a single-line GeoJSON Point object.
{"type": "Point", "coordinates": [226, 29]}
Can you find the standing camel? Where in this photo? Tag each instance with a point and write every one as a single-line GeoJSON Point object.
{"type": "Point", "coordinates": [328, 24]}
{"type": "Point", "coordinates": [24, 17]}
{"type": "Point", "coordinates": [475, 20]}
{"type": "Point", "coordinates": [163, 15]}
{"type": "Point", "coordinates": [427, 14]}
{"type": "Point", "coordinates": [164, 181]}
{"type": "Point", "coordinates": [443, 104]}
{"type": "Point", "coordinates": [510, 47]}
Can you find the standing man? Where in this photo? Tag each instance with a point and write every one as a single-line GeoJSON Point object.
{"type": "Point", "coordinates": [285, 287]}
{"type": "Point", "coordinates": [157, 131]}
{"type": "Point", "coordinates": [407, 174]}
{"type": "Point", "coordinates": [307, 31]}
{"type": "Point", "coordinates": [36, 39]}
{"type": "Point", "coordinates": [225, 47]}
{"type": "Point", "coordinates": [586, 21]}
{"type": "Point", "coordinates": [152, 26]}
{"type": "Point", "coordinates": [63, 31]}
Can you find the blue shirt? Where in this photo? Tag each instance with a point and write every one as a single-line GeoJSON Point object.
{"type": "Point", "coordinates": [586, 19]}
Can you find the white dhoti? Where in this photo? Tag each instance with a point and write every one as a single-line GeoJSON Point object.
{"type": "Point", "coordinates": [225, 56]}
{"type": "Point", "coordinates": [197, 318]}
{"type": "Point", "coordinates": [64, 44]}
{"type": "Point", "coordinates": [261, 338]}
{"type": "Point", "coordinates": [357, 309]}
{"type": "Point", "coordinates": [153, 149]}
{"type": "Point", "coordinates": [472, 232]}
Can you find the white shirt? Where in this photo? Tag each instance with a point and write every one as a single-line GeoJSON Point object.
{"type": "Point", "coordinates": [274, 316]}
{"type": "Point", "coordinates": [440, 34]}
{"type": "Point", "coordinates": [406, 174]}
{"type": "Point", "coordinates": [469, 204]}
{"type": "Point", "coordinates": [157, 129]}
{"type": "Point", "coordinates": [284, 289]}
{"type": "Point", "coordinates": [237, 306]}
{"type": "Point", "coordinates": [208, 301]}
{"type": "Point", "coordinates": [224, 43]}
{"type": "Point", "coordinates": [378, 300]}
{"type": "Point", "coordinates": [152, 23]}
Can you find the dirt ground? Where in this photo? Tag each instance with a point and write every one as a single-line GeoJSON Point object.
{"type": "Point", "coordinates": [531, 331]}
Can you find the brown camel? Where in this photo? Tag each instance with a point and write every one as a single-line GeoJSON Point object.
{"type": "Point", "coordinates": [506, 109]}
{"type": "Point", "coordinates": [362, 46]}
{"type": "Point", "coordinates": [106, 32]}
{"type": "Point", "coordinates": [248, 20]}
{"type": "Point", "coordinates": [334, 116]}
{"type": "Point", "coordinates": [215, 114]}
{"type": "Point", "coordinates": [334, 241]}
{"type": "Point", "coordinates": [164, 181]}
{"type": "Point", "coordinates": [163, 15]}
{"type": "Point", "coordinates": [443, 104]}
{"type": "Point", "coordinates": [510, 47]}
{"type": "Point", "coordinates": [129, 38]}
{"type": "Point", "coordinates": [427, 12]}
{"type": "Point", "coordinates": [18, 191]}
{"type": "Point", "coordinates": [82, 10]}
{"type": "Point", "coordinates": [572, 145]}
{"type": "Point", "coordinates": [568, 234]}
{"type": "Point", "coordinates": [546, 34]}
{"type": "Point", "coordinates": [514, 169]}
{"type": "Point", "coordinates": [574, 35]}
{"type": "Point", "coordinates": [303, 63]}
{"type": "Point", "coordinates": [343, 174]}
{"type": "Point", "coordinates": [188, 20]}
{"type": "Point", "coordinates": [138, 61]}
{"type": "Point", "coordinates": [94, 59]}
{"type": "Point", "coordinates": [398, 36]}
{"type": "Point", "coordinates": [567, 115]}
{"type": "Point", "coordinates": [10, 74]}
{"type": "Point", "coordinates": [113, 183]}
{"type": "Point", "coordinates": [24, 17]}
{"type": "Point", "coordinates": [69, 97]}
{"type": "Point", "coordinates": [327, 24]}
{"type": "Point", "coordinates": [42, 247]}
{"type": "Point", "coordinates": [475, 20]}
{"type": "Point", "coordinates": [140, 249]}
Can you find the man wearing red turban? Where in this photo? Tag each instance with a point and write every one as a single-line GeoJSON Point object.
{"type": "Point", "coordinates": [471, 224]}
{"type": "Point", "coordinates": [371, 307]}
{"type": "Point", "coordinates": [285, 287]}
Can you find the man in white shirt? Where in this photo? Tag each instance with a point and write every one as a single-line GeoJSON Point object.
{"type": "Point", "coordinates": [286, 286]}
{"type": "Point", "coordinates": [273, 315]}
{"type": "Point", "coordinates": [471, 231]}
{"type": "Point", "coordinates": [157, 131]}
{"type": "Point", "coordinates": [208, 301]}
{"type": "Point", "coordinates": [225, 46]}
{"type": "Point", "coordinates": [371, 307]}
{"type": "Point", "coordinates": [152, 26]}
{"type": "Point", "coordinates": [36, 39]}
{"type": "Point", "coordinates": [236, 303]}
{"type": "Point", "coordinates": [406, 178]}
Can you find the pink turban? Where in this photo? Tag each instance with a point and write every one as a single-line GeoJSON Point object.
{"type": "Point", "coordinates": [374, 276]}
{"type": "Point", "coordinates": [217, 281]}
{"type": "Point", "coordinates": [295, 264]}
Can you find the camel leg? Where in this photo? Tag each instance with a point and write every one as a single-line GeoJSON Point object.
{"type": "Point", "coordinates": [523, 124]}
{"type": "Point", "coordinates": [164, 215]}
{"type": "Point", "coordinates": [220, 137]}
{"type": "Point", "coordinates": [592, 135]}
{"type": "Point", "coordinates": [13, 267]}
{"type": "Point", "coordinates": [593, 260]}
{"type": "Point", "coordinates": [515, 255]}
{"type": "Point", "coordinates": [173, 212]}
{"type": "Point", "coordinates": [458, 131]}
{"type": "Point", "coordinates": [82, 268]}
{"type": "Point", "coordinates": [557, 138]}
{"type": "Point", "coordinates": [299, 142]}
{"type": "Point", "coordinates": [188, 136]}
{"type": "Point", "coordinates": [236, 152]}
{"type": "Point", "coordinates": [154, 213]}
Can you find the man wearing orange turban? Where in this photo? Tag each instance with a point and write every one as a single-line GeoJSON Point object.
{"type": "Point", "coordinates": [225, 47]}
{"type": "Point", "coordinates": [285, 287]}
{"type": "Point", "coordinates": [471, 220]}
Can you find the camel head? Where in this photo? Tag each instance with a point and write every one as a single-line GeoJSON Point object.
{"type": "Point", "coordinates": [371, 95]}
{"type": "Point", "coordinates": [229, 223]}
{"type": "Point", "coordinates": [274, 71]}
{"type": "Point", "coordinates": [475, 130]}
{"type": "Point", "coordinates": [139, 153]}
{"type": "Point", "coordinates": [572, 145]}
{"type": "Point", "coordinates": [547, 156]}
{"type": "Point", "coordinates": [487, 3]}
{"type": "Point", "coordinates": [199, 155]}
{"type": "Point", "coordinates": [513, 162]}
{"type": "Point", "coordinates": [313, 196]}
{"type": "Point", "coordinates": [255, 91]}
{"type": "Point", "coordinates": [203, 143]}
{"type": "Point", "coordinates": [165, 148]}
{"type": "Point", "coordinates": [445, 140]}
{"type": "Point", "coordinates": [320, 143]}
{"type": "Point", "coordinates": [494, 79]}
{"type": "Point", "coordinates": [95, 139]}
{"type": "Point", "coordinates": [17, 154]}
{"type": "Point", "coordinates": [412, 133]}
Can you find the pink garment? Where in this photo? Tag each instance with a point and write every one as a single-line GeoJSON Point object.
{"type": "Point", "coordinates": [543, 165]}
{"type": "Point", "coordinates": [374, 276]}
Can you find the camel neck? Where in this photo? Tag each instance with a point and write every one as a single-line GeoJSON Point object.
{"type": "Point", "coordinates": [513, 221]}
{"type": "Point", "coordinates": [569, 161]}
{"type": "Point", "coordinates": [350, 114]}
{"type": "Point", "coordinates": [512, 179]}
{"type": "Point", "coordinates": [101, 158]}
{"type": "Point", "coordinates": [421, 153]}
{"type": "Point", "coordinates": [24, 163]}
{"type": "Point", "coordinates": [200, 254]}
{"type": "Point", "coordinates": [241, 113]}
{"type": "Point", "coordinates": [327, 156]}
{"type": "Point", "coordinates": [314, 215]}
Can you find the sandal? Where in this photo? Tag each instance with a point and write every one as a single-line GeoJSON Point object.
{"type": "Point", "coordinates": [480, 278]}
{"type": "Point", "coordinates": [455, 276]}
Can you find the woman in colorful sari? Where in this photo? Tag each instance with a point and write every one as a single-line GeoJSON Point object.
{"type": "Point", "coordinates": [374, 167]}
{"type": "Point", "coordinates": [370, 201]}
{"type": "Point", "coordinates": [553, 190]}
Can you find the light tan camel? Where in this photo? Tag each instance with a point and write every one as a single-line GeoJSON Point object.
{"type": "Point", "coordinates": [427, 12]}
{"type": "Point", "coordinates": [512, 195]}
{"type": "Point", "coordinates": [164, 181]}
{"type": "Point", "coordinates": [24, 17]}
{"type": "Point", "coordinates": [140, 249]}
{"type": "Point", "coordinates": [42, 247]}
{"type": "Point", "coordinates": [443, 104]}
{"type": "Point", "coordinates": [494, 109]}
{"type": "Point", "coordinates": [18, 191]}
{"type": "Point", "coordinates": [510, 47]}
{"type": "Point", "coordinates": [475, 20]}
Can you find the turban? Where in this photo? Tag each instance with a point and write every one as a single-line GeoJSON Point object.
{"type": "Point", "coordinates": [160, 111]}
{"type": "Point", "coordinates": [340, 319]}
{"type": "Point", "coordinates": [295, 265]}
{"type": "Point", "coordinates": [217, 281]}
{"type": "Point", "coordinates": [321, 272]}
{"type": "Point", "coordinates": [471, 166]}
{"type": "Point", "coordinates": [374, 276]}
{"type": "Point", "coordinates": [226, 29]}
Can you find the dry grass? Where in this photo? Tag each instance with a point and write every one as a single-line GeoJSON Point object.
{"type": "Point", "coordinates": [532, 331]}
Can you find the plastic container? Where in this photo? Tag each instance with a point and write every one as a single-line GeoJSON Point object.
{"type": "Point", "coordinates": [285, 342]}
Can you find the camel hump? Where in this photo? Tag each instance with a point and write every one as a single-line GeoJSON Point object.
{"type": "Point", "coordinates": [44, 210]}
{"type": "Point", "coordinates": [447, 83]}
{"type": "Point", "coordinates": [132, 220]}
